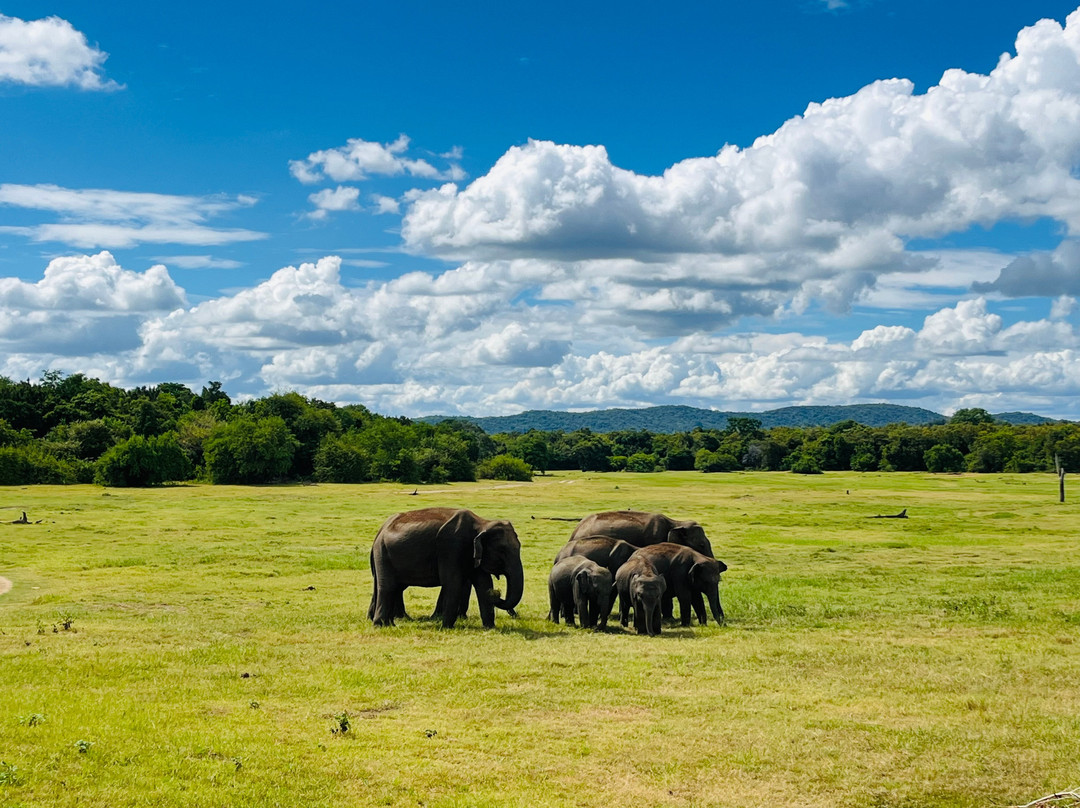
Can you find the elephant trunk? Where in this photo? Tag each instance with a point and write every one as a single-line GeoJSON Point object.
{"type": "Point", "coordinates": [652, 618]}
{"type": "Point", "coordinates": [515, 587]}
{"type": "Point", "coordinates": [717, 609]}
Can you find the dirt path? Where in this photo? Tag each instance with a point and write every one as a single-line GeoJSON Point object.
{"type": "Point", "coordinates": [5, 585]}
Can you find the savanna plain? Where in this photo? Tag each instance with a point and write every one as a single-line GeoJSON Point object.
{"type": "Point", "coordinates": [209, 645]}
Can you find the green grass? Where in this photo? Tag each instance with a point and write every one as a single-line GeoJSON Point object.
{"type": "Point", "coordinates": [199, 646]}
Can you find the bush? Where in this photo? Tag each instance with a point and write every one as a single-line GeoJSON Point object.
{"type": "Point", "coordinates": [943, 458]}
{"type": "Point", "coordinates": [32, 465]}
{"type": "Point", "coordinates": [642, 463]}
{"type": "Point", "coordinates": [341, 459]}
{"type": "Point", "coordinates": [710, 462]}
{"type": "Point", "coordinates": [247, 450]}
{"type": "Point", "coordinates": [141, 461]}
{"type": "Point", "coordinates": [504, 467]}
{"type": "Point", "coordinates": [804, 464]}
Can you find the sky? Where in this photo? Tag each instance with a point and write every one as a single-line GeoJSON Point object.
{"type": "Point", "coordinates": [482, 208]}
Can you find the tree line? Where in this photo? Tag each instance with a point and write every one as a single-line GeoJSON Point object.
{"type": "Point", "coordinates": [75, 429]}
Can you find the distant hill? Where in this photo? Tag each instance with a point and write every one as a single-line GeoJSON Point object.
{"type": "Point", "coordinates": [673, 418]}
{"type": "Point", "coordinates": [1022, 418]}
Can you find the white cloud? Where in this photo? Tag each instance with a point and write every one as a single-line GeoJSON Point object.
{"type": "Point", "coordinates": [49, 52]}
{"type": "Point", "coordinates": [469, 340]}
{"type": "Point", "coordinates": [817, 211]}
{"type": "Point", "coordinates": [336, 199]}
{"type": "Point", "coordinates": [199, 262]}
{"type": "Point", "coordinates": [93, 283]}
{"type": "Point", "coordinates": [83, 305]}
{"type": "Point", "coordinates": [359, 159]}
{"type": "Point", "coordinates": [118, 219]}
{"type": "Point", "coordinates": [386, 204]}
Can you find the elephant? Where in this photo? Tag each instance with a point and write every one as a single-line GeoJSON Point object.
{"type": "Point", "coordinates": [605, 551]}
{"type": "Point", "coordinates": [642, 529]}
{"type": "Point", "coordinates": [640, 585]}
{"type": "Point", "coordinates": [454, 549]}
{"type": "Point", "coordinates": [689, 576]}
{"type": "Point", "coordinates": [578, 583]}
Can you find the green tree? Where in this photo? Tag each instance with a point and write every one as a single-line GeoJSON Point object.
{"type": "Point", "coordinates": [971, 415]}
{"type": "Point", "coordinates": [504, 467]}
{"type": "Point", "coordinates": [943, 458]}
{"type": "Point", "coordinates": [641, 462]}
{"type": "Point", "coordinates": [248, 450]}
{"type": "Point", "coordinates": [141, 461]}
{"type": "Point", "coordinates": [715, 461]}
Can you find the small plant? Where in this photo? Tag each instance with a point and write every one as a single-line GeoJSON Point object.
{"type": "Point", "coordinates": [83, 746]}
{"type": "Point", "coordinates": [238, 763]}
{"type": "Point", "coordinates": [254, 705]}
{"type": "Point", "coordinates": [32, 720]}
{"type": "Point", "coordinates": [65, 621]}
{"type": "Point", "coordinates": [343, 723]}
{"type": "Point", "coordinates": [9, 774]}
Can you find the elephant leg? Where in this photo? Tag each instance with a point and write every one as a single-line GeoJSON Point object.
{"type": "Point", "coordinates": [399, 604]}
{"type": "Point", "coordinates": [698, 602]}
{"type": "Point", "coordinates": [553, 599]}
{"type": "Point", "coordinates": [374, 586]}
{"type": "Point", "coordinates": [639, 617]}
{"type": "Point", "coordinates": [668, 606]}
{"type": "Point", "coordinates": [624, 609]}
{"type": "Point", "coordinates": [481, 582]}
{"type": "Point", "coordinates": [387, 591]}
{"type": "Point", "coordinates": [684, 608]}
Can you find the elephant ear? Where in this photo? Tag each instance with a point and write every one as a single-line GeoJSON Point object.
{"type": "Point", "coordinates": [456, 528]}
{"type": "Point", "coordinates": [678, 534]}
{"type": "Point", "coordinates": [583, 581]}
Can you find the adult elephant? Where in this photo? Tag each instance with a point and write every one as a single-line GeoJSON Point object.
{"type": "Point", "coordinates": [579, 584]}
{"type": "Point", "coordinates": [642, 529]}
{"type": "Point", "coordinates": [454, 549]}
{"type": "Point", "coordinates": [642, 587]}
{"type": "Point", "coordinates": [690, 575]}
{"type": "Point", "coordinates": [605, 551]}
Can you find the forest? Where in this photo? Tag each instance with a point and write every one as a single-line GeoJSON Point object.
{"type": "Point", "coordinates": [74, 429]}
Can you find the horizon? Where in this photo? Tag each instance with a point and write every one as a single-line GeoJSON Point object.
{"type": "Point", "coordinates": [426, 210]}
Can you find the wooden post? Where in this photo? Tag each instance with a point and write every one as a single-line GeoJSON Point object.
{"type": "Point", "coordinates": [1061, 478]}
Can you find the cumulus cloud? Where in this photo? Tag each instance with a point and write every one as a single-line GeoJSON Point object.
{"type": "Point", "coordinates": [360, 159]}
{"type": "Point", "coordinates": [92, 218]}
{"type": "Point", "coordinates": [49, 53]}
{"type": "Point", "coordinates": [335, 199]}
{"type": "Point", "coordinates": [83, 305]}
{"type": "Point", "coordinates": [480, 339]}
{"type": "Point", "coordinates": [819, 210]}
{"type": "Point", "coordinates": [93, 283]}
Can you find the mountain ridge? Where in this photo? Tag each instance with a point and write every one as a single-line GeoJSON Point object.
{"type": "Point", "coordinates": [670, 418]}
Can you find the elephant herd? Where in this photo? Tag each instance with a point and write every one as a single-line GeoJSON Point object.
{"type": "Point", "coordinates": [647, 559]}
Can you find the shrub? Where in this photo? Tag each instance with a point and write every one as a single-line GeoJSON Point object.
{"type": "Point", "coordinates": [804, 464]}
{"type": "Point", "coordinates": [141, 461]}
{"type": "Point", "coordinates": [641, 463]}
{"type": "Point", "coordinates": [943, 458]}
{"type": "Point", "coordinates": [708, 461]}
{"type": "Point", "coordinates": [504, 467]}
{"type": "Point", "coordinates": [33, 465]}
{"type": "Point", "coordinates": [248, 450]}
{"type": "Point", "coordinates": [341, 459]}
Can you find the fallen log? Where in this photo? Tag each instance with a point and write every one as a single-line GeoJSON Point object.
{"type": "Point", "coordinates": [901, 515]}
{"type": "Point", "coordinates": [559, 518]}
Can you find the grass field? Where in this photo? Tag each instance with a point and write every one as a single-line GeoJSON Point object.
{"type": "Point", "coordinates": [199, 646]}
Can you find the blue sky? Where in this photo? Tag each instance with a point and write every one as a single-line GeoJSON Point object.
{"type": "Point", "coordinates": [492, 207]}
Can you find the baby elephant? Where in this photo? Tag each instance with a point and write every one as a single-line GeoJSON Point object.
{"type": "Point", "coordinates": [642, 586]}
{"type": "Point", "coordinates": [576, 583]}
